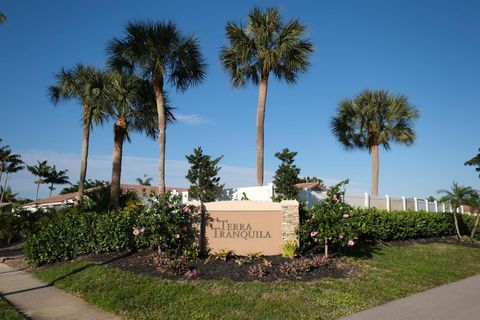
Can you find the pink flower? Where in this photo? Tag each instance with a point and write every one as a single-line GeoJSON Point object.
{"type": "Point", "coordinates": [185, 229]}
{"type": "Point", "coordinates": [142, 230]}
{"type": "Point", "coordinates": [351, 243]}
{"type": "Point", "coordinates": [178, 236]}
{"type": "Point", "coordinates": [135, 232]}
{"type": "Point", "coordinates": [186, 209]}
{"type": "Point", "coordinates": [346, 216]}
{"type": "Point", "coordinates": [313, 234]}
{"type": "Point", "coordinates": [334, 198]}
{"type": "Point", "coordinates": [341, 236]}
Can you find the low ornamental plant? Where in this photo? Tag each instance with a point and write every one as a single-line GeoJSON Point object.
{"type": "Point", "coordinates": [329, 223]}
{"type": "Point", "coordinates": [168, 264]}
{"type": "Point", "coordinates": [296, 268]}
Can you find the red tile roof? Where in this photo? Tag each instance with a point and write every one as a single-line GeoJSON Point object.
{"type": "Point", "coordinates": [136, 188]}
{"type": "Point", "coordinates": [315, 185]}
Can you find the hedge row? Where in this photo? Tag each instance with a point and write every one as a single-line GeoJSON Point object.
{"type": "Point", "coordinates": [374, 224]}
{"type": "Point", "coordinates": [70, 235]}
{"type": "Point", "coordinates": [165, 223]}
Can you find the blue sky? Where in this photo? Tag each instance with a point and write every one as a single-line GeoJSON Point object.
{"type": "Point", "coordinates": [427, 50]}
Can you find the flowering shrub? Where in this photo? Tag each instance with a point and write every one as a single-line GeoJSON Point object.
{"type": "Point", "coordinates": [329, 223]}
{"type": "Point", "coordinates": [167, 224]}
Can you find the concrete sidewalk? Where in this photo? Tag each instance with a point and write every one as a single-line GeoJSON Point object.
{"type": "Point", "coordinates": [459, 300]}
{"type": "Point", "coordinates": [37, 300]}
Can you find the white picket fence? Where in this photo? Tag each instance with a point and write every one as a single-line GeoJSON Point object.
{"type": "Point", "coordinates": [365, 200]}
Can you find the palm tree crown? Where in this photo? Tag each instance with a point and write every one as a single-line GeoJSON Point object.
{"type": "Point", "coordinates": [374, 118]}
{"type": "Point", "coordinates": [159, 53]}
{"type": "Point", "coordinates": [265, 45]}
{"type": "Point", "coordinates": [458, 195]}
{"type": "Point", "coordinates": [40, 170]}
{"type": "Point", "coordinates": [54, 177]}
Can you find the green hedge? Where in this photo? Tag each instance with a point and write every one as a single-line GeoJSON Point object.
{"type": "Point", "coordinates": [76, 233]}
{"type": "Point", "coordinates": [374, 224]}
{"type": "Point", "coordinates": [164, 223]}
{"type": "Point", "coordinates": [401, 225]}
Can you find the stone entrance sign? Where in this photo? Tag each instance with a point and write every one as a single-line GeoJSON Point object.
{"type": "Point", "coordinates": [250, 226]}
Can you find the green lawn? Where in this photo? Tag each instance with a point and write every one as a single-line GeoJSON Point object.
{"type": "Point", "coordinates": [8, 312]}
{"type": "Point", "coordinates": [392, 272]}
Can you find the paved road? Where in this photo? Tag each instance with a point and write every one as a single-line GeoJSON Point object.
{"type": "Point", "coordinates": [39, 301]}
{"type": "Point", "coordinates": [455, 301]}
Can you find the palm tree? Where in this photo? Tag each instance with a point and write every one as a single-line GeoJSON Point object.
{"type": "Point", "coordinates": [14, 164]}
{"type": "Point", "coordinates": [131, 102]}
{"type": "Point", "coordinates": [86, 85]}
{"type": "Point", "coordinates": [475, 161]}
{"type": "Point", "coordinates": [40, 170]}
{"type": "Point", "coordinates": [265, 45]}
{"type": "Point", "coordinates": [371, 119]}
{"type": "Point", "coordinates": [56, 177]}
{"type": "Point", "coordinates": [457, 196]}
{"type": "Point", "coordinates": [160, 53]}
{"type": "Point", "coordinates": [144, 182]}
{"type": "Point", "coordinates": [474, 204]}
{"type": "Point", "coordinates": [6, 158]}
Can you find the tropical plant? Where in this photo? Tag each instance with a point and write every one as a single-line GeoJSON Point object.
{"type": "Point", "coordinates": [12, 165]}
{"type": "Point", "coordinates": [160, 53]}
{"type": "Point", "coordinates": [202, 175]}
{"type": "Point", "coordinates": [56, 177]}
{"type": "Point", "coordinates": [289, 249]}
{"type": "Point", "coordinates": [286, 176]}
{"type": "Point", "coordinates": [131, 103]}
{"type": "Point", "coordinates": [40, 170]}
{"type": "Point", "coordinates": [264, 46]}
{"type": "Point", "coordinates": [146, 181]}
{"type": "Point", "coordinates": [475, 161]}
{"type": "Point", "coordinates": [3, 18]}
{"type": "Point", "coordinates": [8, 161]}
{"type": "Point", "coordinates": [85, 84]}
{"type": "Point", "coordinates": [457, 196]}
{"type": "Point", "coordinates": [372, 119]}
{"type": "Point", "coordinates": [474, 204]}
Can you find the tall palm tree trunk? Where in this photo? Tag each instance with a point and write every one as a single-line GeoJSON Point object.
{"type": "Point", "coordinates": [5, 189]}
{"type": "Point", "coordinates": [375, 164]}
{"type": "Point", "coordinates": [162, 126]}
{"type": "Point", "coordinates": [51, 190]}
{"type": "Point", "coordinates": [262, 100]}
{"type": "Point", "coordinates": [85, 144]}
{"type": "Point", "coordinates": [119, 131]}
{"type": "Point", "coordinates": [38, 187]}
{"type": "Point", "coordinates": [455, 219]}
{"type": "Point", "coordinates": [475, 226]}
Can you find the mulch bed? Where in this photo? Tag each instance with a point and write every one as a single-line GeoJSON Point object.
{"type": "Point", "coordinates": [212, 269]}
